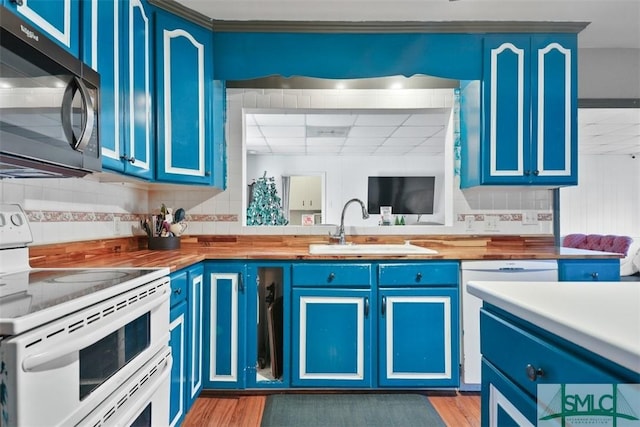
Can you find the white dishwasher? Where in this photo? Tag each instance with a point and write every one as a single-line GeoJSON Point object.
{"type": "Point", "coordinates": [493, 270]}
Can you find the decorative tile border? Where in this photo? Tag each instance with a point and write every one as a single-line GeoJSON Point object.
{"type": "Point", "coordinates": [68, 216]}
{"type": "Point", "coordinates": [515, 217]}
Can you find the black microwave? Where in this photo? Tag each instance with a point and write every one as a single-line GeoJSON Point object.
{"type": "Point", "coordinates": [49, 106]}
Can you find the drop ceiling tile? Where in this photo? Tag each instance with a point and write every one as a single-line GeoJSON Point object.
{"type": "Point", "coordinates": [364, 142]}
{"type": "Point", "coordinates": [279, 119]}
{"type": "Point", "coordinates": [415, 131]}
{"type": "Point", "coordinates": [361, 149]}
{"type": "Point", "coordinates": [283, 131]}
{"type": "Point", "coordinates": [346, 119]}
{"type": "Point", "coordinates": [288, 149]}
{"type": "Point", "coordinates": [404, 142]}
{"type": "Point", "coordinates": [323, 149]}
{"type": "Point", "coordinates": [394, 150]}
{"type": "Point", "coordinates": [381, 119]}
{"type": "Point", "coordinates": [325, 141]}
{"type": "Point", "coordinates": [286, 142]}
{"type": "Point", "coordinates": [253, 132]}
{"type": "Point", "coordinates": [371, 131]}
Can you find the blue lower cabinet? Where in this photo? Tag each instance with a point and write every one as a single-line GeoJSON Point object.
{"type": "Point", "coordinates": [331, 338]}
{"type": "Point", "coordinates": [224, 326]}
{"type": "Point", "coordinates": [178, 343]}
{"type": "Point", "coordinates": [195, 283]}
{"type": "Point", "coordinates": [593, 270]}
{"type": "Point", "coordinates": [418, 337]}
{"type": "Point", "coordinates": [503, 404]}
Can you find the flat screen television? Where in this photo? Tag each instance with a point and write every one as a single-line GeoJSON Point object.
{"type": "Point", "coordinates": [407, 195]}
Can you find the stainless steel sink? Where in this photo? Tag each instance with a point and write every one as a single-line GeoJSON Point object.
{"type": "Point", "coordinates": [369, 249]}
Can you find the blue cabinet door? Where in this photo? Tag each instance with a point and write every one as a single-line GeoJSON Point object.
{"type": "Point", "coordinates": [195, 297]}
{"type": "Point", "coordinates": [418, 337]}
{"type": "Point", "coordinates": [503, 404]}
{"type": "Point", "coordinates": [554, 155]}
{"type": "Point", "coordinates": [102, 50]}
{"type": "Point", "coordinates": [506, 106]}
{"type": "Point", "coordinates": [224, 326]}
{"type": "Point", "coordinates": [527, 127]}
{"type": "Point", "coordinates": [331, 338]}
{"type": "Point", "coordinates": [117, 44]}
{"type": "Point", "coordinates": [59, 20]}
{"type": "Point", "coordinates": [137, 82]}
{"type": "Point", "coordinates": [184, 75]}
{"type": "Point", "coordinates": [178, 343]}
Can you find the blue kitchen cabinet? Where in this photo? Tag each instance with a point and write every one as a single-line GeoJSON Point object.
{"type": "Point", "coordinates": [525, 131]}
{"type": "Point", "coordinates": [186, 339]}
{"type": "Point", "coordinates": [589, 270]}
{"type": "Point", "coordinates": [59, 20]}
{"type": "Point", "coordinates": [512, 380]}
{"type": "Point", "coordinates": [332, 325]}
{"type": "Point", "coordinates": [178, 343]}
{"type": "Point", "coordinates": [224, 326]}
{"type": "Point", "coordinates": [195, 283]}
{"type": "Point", "coordinates": [117, 44]}
{"type": "Point", "coordinates": [185, 91]}
{"type": "Point", "coordinates": [179, 348]}
{"type": "Point", "coordinates": [268, 354]}
{"type": "Point", "coordinates": [418, 338]}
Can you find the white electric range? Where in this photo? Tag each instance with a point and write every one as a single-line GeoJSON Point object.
{"type": "Point", "coordinates": [86, 346]}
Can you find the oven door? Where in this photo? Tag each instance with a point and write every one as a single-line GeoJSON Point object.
{"type": "Point", "coordinates": [143, 401]}
{"type": "Point", "coordinates": [60, 372]}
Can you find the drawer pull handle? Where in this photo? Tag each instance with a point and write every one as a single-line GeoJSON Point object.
{"type": "Point", "coordinates": [533, 373]}
{"type": "Point", "coordinates": [178, 291]}
{"type": "Point", "coordinates": [594, 275]}
{"type": "Point", "coordinates": [331, 277]}
{"type": "Point", "coordinates": [418, 277]}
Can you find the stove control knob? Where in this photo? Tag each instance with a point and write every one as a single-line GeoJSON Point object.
{"type": "Point", "coordinates": [17, 220]}
{"type": "Point", "coordinates": [3, 222]}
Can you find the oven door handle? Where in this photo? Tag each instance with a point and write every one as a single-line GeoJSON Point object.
{"type": "Point", "coordinates": [55, 358]}
{"type": "Point", "coordinates": [143, 399]}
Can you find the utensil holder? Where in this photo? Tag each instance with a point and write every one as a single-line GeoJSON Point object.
{"type": "Point", "coordinates": [164, 243]}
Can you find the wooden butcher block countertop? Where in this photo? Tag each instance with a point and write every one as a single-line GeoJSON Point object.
{"type": "Point", "coordinates": [132, 252]}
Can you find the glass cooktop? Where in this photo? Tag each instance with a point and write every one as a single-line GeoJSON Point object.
{"type": "Point", "coordinates": [28, 292]}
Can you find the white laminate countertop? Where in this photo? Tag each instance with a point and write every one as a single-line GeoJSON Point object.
{"type": "Point", "coordinates": [603, 317]}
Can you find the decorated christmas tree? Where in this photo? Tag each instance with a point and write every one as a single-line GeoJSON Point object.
{"type": "Point", "coordinates": [265, 208]}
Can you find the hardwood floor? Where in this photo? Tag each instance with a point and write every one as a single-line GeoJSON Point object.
{"type": "Point", "coordinates": [460, 410]}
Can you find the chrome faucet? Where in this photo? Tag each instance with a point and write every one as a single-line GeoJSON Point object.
{"type": "Point", "coordinates": [339, 236]}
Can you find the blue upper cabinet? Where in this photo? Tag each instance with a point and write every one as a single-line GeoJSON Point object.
{"type": "Point", "coordinates": [184, 81]}
{"type": "Point", "coordinates": [527, 133]}
{"type": "Point", "coordinates": [59, 19]}
{"type": "Point", "coordinates": [117, 43]}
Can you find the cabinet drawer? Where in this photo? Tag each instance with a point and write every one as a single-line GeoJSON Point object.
{"type": "Point", "coordinates": [513, 349]}
{"type": "Point", "coordinates": [331, 274]}
{"type": "Point", "coordinates": [418, 274]}
{"type": "Point", "coordinates": [179, 287]}
{"type": "Point", "coordinates": [593, 270]}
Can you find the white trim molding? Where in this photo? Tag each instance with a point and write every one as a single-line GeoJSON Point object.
{"type": "Point", "coordinates": [233, 345]}
{"type": "Point", "coordinates": [567, 110]}
{"type": "Point", "coordinates": [302, 355]}
{"type": "Point", "coordinates": [197, 288]}
{"type": "Point", "coordinates": [494, 171]}
{"type": "Point", "coordinates": [168, 35]}
{"type": "Point", "coordinates": [446, 304]}
{"type": "Point", "coordinates": [179, 322]}
{"type": "Point", "coordinates": [135, 100]}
